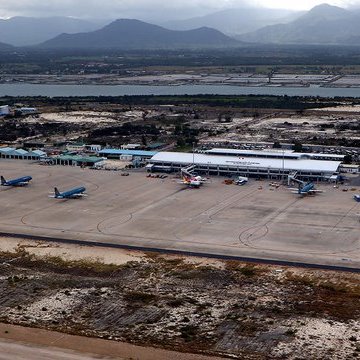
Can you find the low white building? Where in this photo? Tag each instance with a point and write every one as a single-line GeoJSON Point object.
{"type": "Point", "coordinates": [272, 168]}
{"type": "Point", "coordinates": [4, 110]}
{"type": "Point", "coordinates": [93, 147]}
{"type": "Point", "coordinates": [350, 168]}
{"type": "Point", "coordinates": [75, 147]}
{"type": "Point", "coordinates": [130, 146]}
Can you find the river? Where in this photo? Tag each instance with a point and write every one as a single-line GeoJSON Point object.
{"type": "Point", "coordinates": [25, 89]}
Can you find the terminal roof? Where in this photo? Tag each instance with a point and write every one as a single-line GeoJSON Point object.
{"type": "Point", "coordinates": [250, 162]}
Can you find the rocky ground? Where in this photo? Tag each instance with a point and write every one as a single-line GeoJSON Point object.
{"type": "Point", "coordinates": [228, 309]}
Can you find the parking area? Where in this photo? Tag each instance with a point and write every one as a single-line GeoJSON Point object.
{"type": "Point", "coordinates": [254, 220]}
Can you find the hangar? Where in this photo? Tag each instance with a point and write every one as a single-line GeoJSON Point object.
{"type": "Point", "coordinates": [21, 154]}
{"type": "Point", "coordinates": [271, 168]}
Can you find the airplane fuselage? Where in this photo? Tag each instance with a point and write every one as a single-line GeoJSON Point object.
{"type": "Point", "coordinates": [73, 193]}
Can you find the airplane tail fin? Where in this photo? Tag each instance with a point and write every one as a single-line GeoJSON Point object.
{"type": "Point", "coordinates": [57, 192]}
{"type": "Point", "coordinates": [3, 181]}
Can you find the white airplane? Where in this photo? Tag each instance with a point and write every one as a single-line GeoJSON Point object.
{"type": "Point", "coordinates": [190, 180]}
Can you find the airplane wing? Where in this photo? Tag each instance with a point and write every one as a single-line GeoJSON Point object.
{"type": "Point", "coordinates": [67, 197]}
{"type": "Point", "coordinates": [23, 183]}
{"type": "Point", "coordinates": [78, 195]}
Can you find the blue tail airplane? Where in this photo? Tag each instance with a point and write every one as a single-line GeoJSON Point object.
{"type": "Point", "coordinates": [304, 188]}
{"type": "Point", "coordinates": [307, 189]}
{"type": "Point", "coordinates": [70, 194]}
{"type": "Point", "coordinates": [22, 181]}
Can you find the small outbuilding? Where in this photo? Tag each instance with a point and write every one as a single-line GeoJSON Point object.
{"type": "Point", "coordinates": [77, 160]}
{"type": "Point", "coordinates": [127, 155]}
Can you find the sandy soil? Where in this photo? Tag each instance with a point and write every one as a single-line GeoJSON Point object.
{"type": "Point", "coordinates": [104, 255]}
{"type": "Point", "coordinates": [345, 108]}
{"type": "Point", "coordinates": [71, 252]}
{"type": "Point", "coordinates": [79, 117]}
{"type": "Point", "coordinates": [18, 343]}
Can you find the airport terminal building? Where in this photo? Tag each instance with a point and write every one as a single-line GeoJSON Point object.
{"type": "Point", "coordinates": [274, 154]}
{"type": "Point", "coordinates": [249, 166]}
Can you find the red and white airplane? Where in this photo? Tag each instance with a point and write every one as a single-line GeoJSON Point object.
{"type": "Point", "coordinates": [190, 180]}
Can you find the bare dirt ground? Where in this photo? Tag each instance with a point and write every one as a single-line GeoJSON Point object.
{"type": "Point", "coordinates": [223, 308]}
{"type": "Point", "coordinates": [19, 342]}
{"type": "Point", "coordinates": [322, 126]}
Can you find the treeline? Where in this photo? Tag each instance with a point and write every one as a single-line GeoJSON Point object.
{"type": "Point", "coordinates": [126, 129]}
{"type": "Point", "coordinates": [238, 101]}
{"type": "Point", "coordinates": [39, 61]}
{"type": "Point", "coordinates": [242, 101]}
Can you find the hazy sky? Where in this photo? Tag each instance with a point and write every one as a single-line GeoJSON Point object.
{"type": "Point", "coordinates": [303, 4]}
{"type": "Point", "coordinates": [160, 9]}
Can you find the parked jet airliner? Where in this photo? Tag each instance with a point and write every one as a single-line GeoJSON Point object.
{"type": "Point", "coordinates": [70, 194]}
{"type": "Point", "coordinates": [22, 181]}
{"type": "Point", "coordinates": [307, 189]}
{"type": "Point", "coordinates": [191, 180]}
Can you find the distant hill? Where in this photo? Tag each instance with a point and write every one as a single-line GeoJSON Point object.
{"type": "Point", "coordinates": [24, 31]}
{"type": "Point", "coordinates": [324, 24]}
{"type": "Point", "coordinates": [235, 21]}
{"type": "Point", "coordinates": [135, 34]}
{"type": "Point", "coordinates": [4, 46]}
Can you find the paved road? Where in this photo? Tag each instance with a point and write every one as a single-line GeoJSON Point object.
{"type": "Point", "coordinates": [16, 351]}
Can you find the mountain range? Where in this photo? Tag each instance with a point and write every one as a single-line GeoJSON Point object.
{"type": "Point", "coordinates": [135, 34]}
{"type": "Point", "coordinates": [25, 31]}
{"type": "Point", "coordinates": [236, 21]}
{"type": "Point", "coordinates": [324, 24]}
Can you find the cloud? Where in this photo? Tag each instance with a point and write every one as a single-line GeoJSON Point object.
{"type": "Point", "coordinates": [114, 8]}
{"type": "Point", "coordinates": [157, 9]}
{"type": "Point", "coordinates": [304, 4]}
